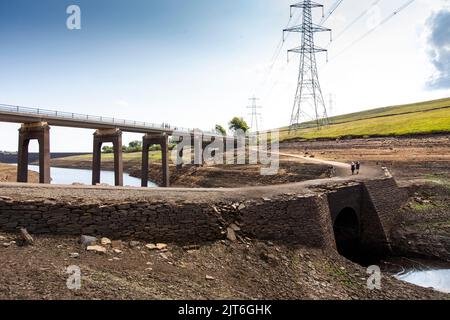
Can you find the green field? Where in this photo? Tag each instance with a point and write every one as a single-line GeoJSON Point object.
{"type": "Point", "coordinates": [419, 118]}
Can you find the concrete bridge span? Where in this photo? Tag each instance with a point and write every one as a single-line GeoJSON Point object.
{"type": "Point", "coordinates": [323, 213]}
{"type": "Point", "coordinates": [36, 123]}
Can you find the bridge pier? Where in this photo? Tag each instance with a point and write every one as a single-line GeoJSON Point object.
{"type": "Point", "coordinates": [34, 131]}
{"type": "Point", "coordinates": [147, 141]}
{"type": "Point", "coordinates": [107, 135]}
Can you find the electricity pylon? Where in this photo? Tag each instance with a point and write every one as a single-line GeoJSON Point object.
{"type": "Point", "coordinates": [308, 97]}
{"type": "Point", "coordinates": [254, 114]}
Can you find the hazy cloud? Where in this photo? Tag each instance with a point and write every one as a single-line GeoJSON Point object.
{"type": "Point", "coordinates": [439, 48]}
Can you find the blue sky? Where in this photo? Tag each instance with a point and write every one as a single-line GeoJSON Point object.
{"type": "Point", "coordinates": [195, 63]}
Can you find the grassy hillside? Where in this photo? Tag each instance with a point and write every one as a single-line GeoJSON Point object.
{"type": "Point", "coordinates": [419, 118]}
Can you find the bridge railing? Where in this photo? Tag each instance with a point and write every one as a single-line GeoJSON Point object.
{"type": "Point", "coordinates": [39, 112]}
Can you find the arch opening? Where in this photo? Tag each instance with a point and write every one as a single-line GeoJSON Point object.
{"type": "Point", "coordinates": [347, 233]}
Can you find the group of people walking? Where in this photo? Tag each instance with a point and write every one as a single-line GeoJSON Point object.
{"type": "Point", "coordinates": [355, 167]}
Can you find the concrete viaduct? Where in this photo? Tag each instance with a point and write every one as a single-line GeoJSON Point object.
{"type": "Point", "coordinates": [36, 126]}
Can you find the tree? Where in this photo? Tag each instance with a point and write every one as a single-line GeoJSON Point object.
{"type": "Point", "coordinates": [238, 124]}
{"type": "Point", "coordinates": [135, 144]}
{"type": "Point", "coordinates": [107, 149]}
{"type": "Point", "coordinates": [221, 130]}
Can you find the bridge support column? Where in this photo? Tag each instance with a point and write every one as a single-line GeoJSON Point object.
{"type": "Point", "coordinates": [147, 141]}
{"type": "Point", "coordinates": [103, 136]}
{"type": "Point", "coordinates": [39, 131]}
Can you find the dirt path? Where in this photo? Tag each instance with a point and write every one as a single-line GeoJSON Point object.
{"type": "Point", "coordinates": [341, 169]}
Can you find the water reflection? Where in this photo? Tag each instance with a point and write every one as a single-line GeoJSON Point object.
{"type": "Point", "coordinates": [70, 176]}
{"type": "Point", "coordinates": [436, 279]}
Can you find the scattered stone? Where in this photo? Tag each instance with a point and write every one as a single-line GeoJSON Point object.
{"type": "Point", "coordinates": [151, 246]}
{"type": "Point", "coordinates": [5, 198]}
{"type": "Point", "coordinates": [27, 238]}
{"type": "Point", "coordinates": [88, 240]}
{"type": "Point", "coordinates": [96, 249]}
{"type": "Point", "coordinates": [241, 207]}
{"type": "Point", "coordinates": [161, 246]}
{"type": "Point", "coordinates": [2, 238]}
{"type": "Point", "coordinates": [209, 278]}
{"type": "Point", "coordinates": [134, 244]}
{"type": "Point", "coordinates": [231, 235]}
{"type": "Point", "coordinates": [74, 255]}
{"type": "Point", "coordinates": [118, 251]}
{"type": "Point", "coordinates": [105, 242]}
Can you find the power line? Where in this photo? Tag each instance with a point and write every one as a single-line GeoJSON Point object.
{"type": "Point", "coordinates": [351, 24]}
{"type": "Point", "coordinates": [332, 9]}
{"type": "Point", "coordinates": [396, 12]}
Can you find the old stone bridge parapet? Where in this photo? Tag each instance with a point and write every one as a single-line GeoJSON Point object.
{"type": "Point", "coordinates": [324, 214]}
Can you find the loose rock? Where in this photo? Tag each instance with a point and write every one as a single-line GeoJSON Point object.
{"type": "Point", "coordinates": [27, 238]}
{"type": "Point", "coordinates": [161, 246]}
{"type": "Point", "coordinates": [88, 240]}
{"type": "Point", "coordinates": [151, 246]}
{"type": "Point", "coordinates": [134, 244]}
{"type": "Point", "coordinates": [105, 242]}
{"type": "Point", "coordinates": [231, 235]}
{"type": "Point", "coordinates": [96, 249]}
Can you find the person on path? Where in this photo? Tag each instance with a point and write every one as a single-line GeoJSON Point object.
{"type": "Point", "coordinates": [358, 167]}
{"type": "Point", "coordinates": [353, 167]}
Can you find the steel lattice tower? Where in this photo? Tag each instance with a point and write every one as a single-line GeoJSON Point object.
{"type": "Point", "coordinates": [254, 114]}
{"type": "Point", "coordinates": [309, 97]}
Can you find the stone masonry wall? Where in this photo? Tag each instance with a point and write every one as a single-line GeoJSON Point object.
{"type": "Point", "coordinates": [296, 219]}
{"type": "Point", "coordinates": [296, 213]}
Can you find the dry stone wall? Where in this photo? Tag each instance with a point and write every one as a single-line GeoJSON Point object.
{"type": "Point", "coordinates": [298, 217]}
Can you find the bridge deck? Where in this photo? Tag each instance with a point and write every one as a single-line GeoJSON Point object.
{"type": "Point", "coordinates": [17, 114]}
